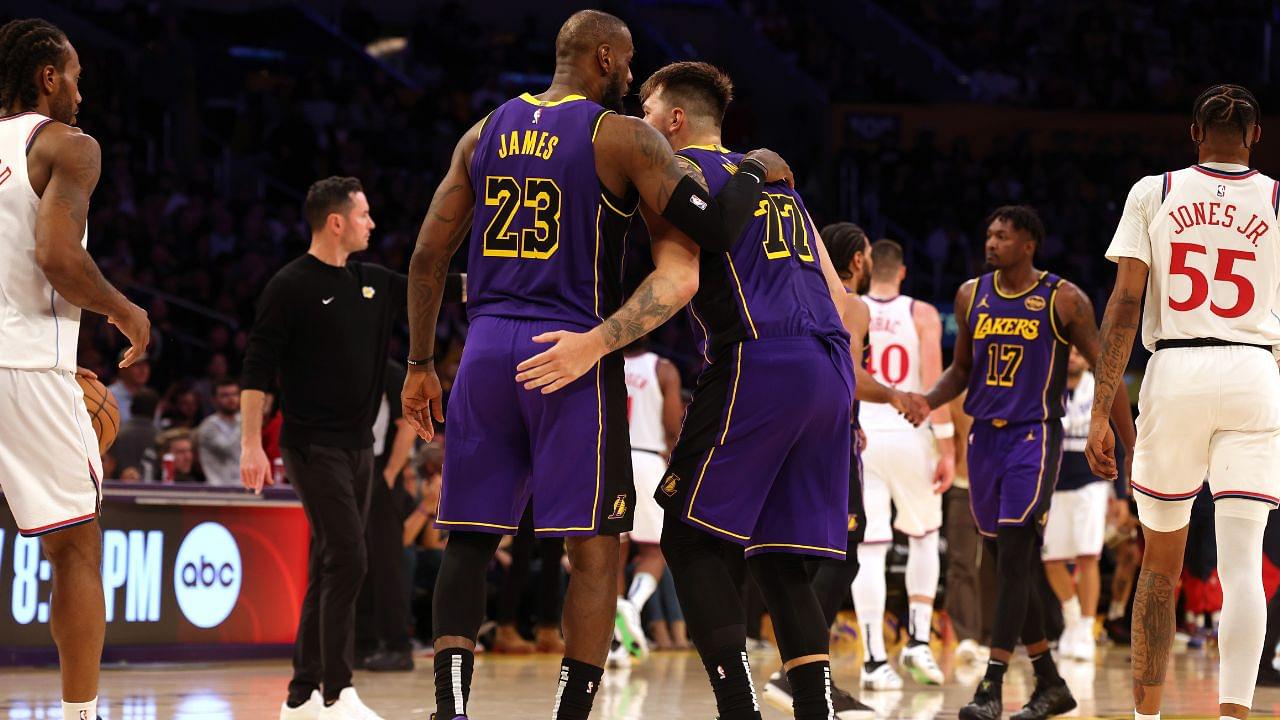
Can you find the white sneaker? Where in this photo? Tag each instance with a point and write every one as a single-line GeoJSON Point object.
{"type": "Point", "coordinates": [348, 707]}
{"type": "Point", "coordinates": [923, 667]}
{"type": "Point", "coordinates": [1086, 644]}
{"type": "Point", "coordinates": [970, 651]}
{"type": "Point", "coordinates": [882, 678]}
{"type": "Point", "coordinates": [1066, 649]}
{"type": "Point", "coordinates": [628, 626]}
{"type": "Point", "coordinates": [309, 710]}
{"type": "Point", "coordinates": [619, 658]}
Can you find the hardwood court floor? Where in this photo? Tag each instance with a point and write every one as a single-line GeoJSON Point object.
{"type": "Point", "coordinates": [669, 685]}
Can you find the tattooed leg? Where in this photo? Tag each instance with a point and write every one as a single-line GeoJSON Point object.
{"type": "Point", "coordinates": [1153, 615]}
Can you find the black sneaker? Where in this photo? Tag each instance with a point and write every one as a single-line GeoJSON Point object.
{"type": "Point", "coordinates": [1047, 701]}
{"type": "Point", "coordinates": [1268, 677]}
{"type": "Point", "coordinates": [389, 661]}
{"type": "Point", "coordinates": [848, 707]}
{"type": "Point", "coordinates": [986, 704]}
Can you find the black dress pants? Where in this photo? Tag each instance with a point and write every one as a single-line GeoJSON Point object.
{"type": "Point", "coordinates": [334, 485]}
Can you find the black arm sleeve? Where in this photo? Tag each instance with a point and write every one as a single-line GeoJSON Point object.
{"type": "Point", "coordinates": [266, 341]}
{"type": "Point", "coordinates": [714, 223]}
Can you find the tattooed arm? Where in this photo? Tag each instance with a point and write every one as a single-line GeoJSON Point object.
{"type": "Point", "coordinates": [448, 221]}
{"type": "Point", "coordinates": [1119, 325]}
{"type": "Point", "coordinates": [64, 167]}
{"type": "Point", "coordinates": [955, 378]}
{"type": "Point", "coordinates": [670, 286]}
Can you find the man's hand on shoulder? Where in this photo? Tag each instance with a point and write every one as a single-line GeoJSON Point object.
{"type": "Point", "coordinates": [775, 168]}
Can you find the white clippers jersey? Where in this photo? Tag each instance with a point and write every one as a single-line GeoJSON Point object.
{"type": "Point", "coordinates": [644, 403]}
{"type": "Point", "coordinates": [1209, 236]}
{"type": "Point", "coordinates": [894, 359]}
{"type": "Point", "coordinates": [38, 327]}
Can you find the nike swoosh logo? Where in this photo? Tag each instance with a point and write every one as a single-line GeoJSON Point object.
{"type": "Point", "coordinates": [326, 301]}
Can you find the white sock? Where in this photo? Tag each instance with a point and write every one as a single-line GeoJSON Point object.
{"type": "Point", "coordinates": [1240, 525]}
{"type": "Point", "coordinates": [642, 587]}
{"type": "Point", "coordinates": [80, 711]}
{"type": "Point", "coordinates": [1139, 716]}
{"type": "Point", "coordinates": [1071, 612]}
{"type": "Point", "coordinates": [921, 620]}
{"type": "Point", "coordinates": [868, 599]}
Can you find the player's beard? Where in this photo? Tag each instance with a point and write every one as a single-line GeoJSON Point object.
{"type": "Point", "coordinates": [864, 284]}
{"type": "Point", "coordinates": [62, 107]}
{"type": "Point", "coordinates": [613, 92]}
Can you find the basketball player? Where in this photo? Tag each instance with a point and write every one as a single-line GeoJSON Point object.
{"type": "Point", "coordinates": [850, 254]}
{"type": "Point", "coordinates": [901, 463]}
{"type": "Point", "coordinates": [771, 476]}
{"type": "Point", "coordinates": [654, 412]}
{"type": "Point", "coordinates": [1014, 326]}
{"type": "Point", "coordinates": [49, 460]}
{"type": "Point", "coordinates": [552, 181]}
{"type": "Point", "coordinates": [1077, 524]}
{"type": "Point", "coordinates": [1202, 243]}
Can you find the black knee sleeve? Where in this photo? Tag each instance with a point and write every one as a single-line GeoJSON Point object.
{"type": "Point", "coordinates": [459, 598]}
{"type": "Point", "coordinates": [1017, 554]}
{"type": "Point", "coordinates": [708, 596]}
{"type": "Point", "coordinates": [831, 582]}
{"type": "Point", "coordinates": [797, 617]}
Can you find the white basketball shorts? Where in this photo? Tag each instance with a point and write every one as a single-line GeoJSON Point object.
{"type": "Point", "coordinates": [1077, 522]}
{"type": "Point", "coordinates": [50, 468]}
{"type": "Point", "coordinates": [1211, 411]}
{"type": "Point", "coordinates": [648, 469]}
{"type": "Point", "coordinates": [898, 466]}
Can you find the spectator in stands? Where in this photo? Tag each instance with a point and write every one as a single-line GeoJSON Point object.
{"type": "Point", "coordinates": [130, 380]}
{"type": "Point", "coordinates": [178, 443]}
{"type": "Point", "coordinates": [218, 437]}
{"type": "Point", "coordinates": [204, 387]}
{"type": "Point", "coordinates": [181, 409]}
{"type": "Point", "coordinates": [137, 434]}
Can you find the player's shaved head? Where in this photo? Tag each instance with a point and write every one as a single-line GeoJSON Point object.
{"type": "Point", "coordinates": [595, 48]}
{"type": "Point", "coordinates": [886, 260]}
{"type": "Point", "coordinates": [585, 31]}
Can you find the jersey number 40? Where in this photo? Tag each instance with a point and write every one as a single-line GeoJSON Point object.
{"type": "Point", "coordinates": [538, 239]}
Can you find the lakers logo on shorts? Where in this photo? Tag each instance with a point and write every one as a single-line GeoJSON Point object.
{"type": "Point", "coordinates": [1035, 303]}
{"type": "Point", "coordinates": [619, 508]}
{"type": "Point", "coordinates": [670, 484]}
{"type": "Point", "coordinates": [853, 523]}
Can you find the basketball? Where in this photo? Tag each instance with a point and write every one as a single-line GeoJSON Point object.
{"type": "Point", "coordinates": [103, 410]}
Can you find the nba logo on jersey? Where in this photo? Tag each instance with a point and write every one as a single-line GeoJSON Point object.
{"type": "Point", "coordinates": [1222, 191]}
{"type": "Point", "coordinates": [537, 115]}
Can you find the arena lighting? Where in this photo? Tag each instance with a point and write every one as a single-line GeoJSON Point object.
{"type": "Point", "coordinates": [386, 46]}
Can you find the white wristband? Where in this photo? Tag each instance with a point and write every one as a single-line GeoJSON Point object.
{"type": "Point", "coordinates": [944, 431]}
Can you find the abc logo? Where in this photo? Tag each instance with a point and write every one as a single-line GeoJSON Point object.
{"type": "Point", "coordinates": [206, 575]}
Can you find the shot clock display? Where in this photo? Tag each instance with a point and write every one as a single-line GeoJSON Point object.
{"type": "Point", "coordinates": [186, 574]}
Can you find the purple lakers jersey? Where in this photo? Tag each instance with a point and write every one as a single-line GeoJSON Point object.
{"type": "Point", "coordinates": [770, 284]}
{"type": "Point", "coordinates": [1019, 354]}
{"type": "Point", "coordinates": [547, 237]}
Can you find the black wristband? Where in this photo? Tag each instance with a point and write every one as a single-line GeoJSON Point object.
{"type": "Point", "coordinates": [420, 363]}
{"type": "Point", "coordinates": [759, 174]}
